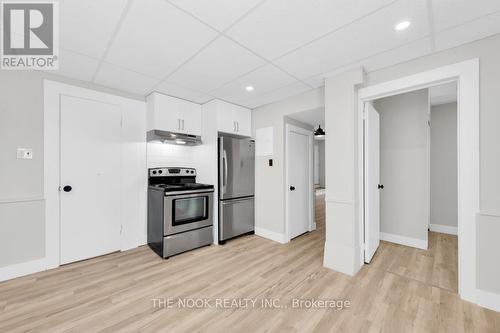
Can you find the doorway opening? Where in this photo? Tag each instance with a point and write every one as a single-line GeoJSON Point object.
{"type": "Point", "coordinates": [411, 184]}
{"type": "Point", "coordinates": [305, 165]}
{"type": "Point", "coordinates": [466, 75]}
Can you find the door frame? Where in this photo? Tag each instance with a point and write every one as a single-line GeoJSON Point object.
{"type": "Point", "coordinates": [288, 129]}
{"type": "Point", "coordinates": [133, 131]}
{"type": "Point", "coordinates": [466, 74]}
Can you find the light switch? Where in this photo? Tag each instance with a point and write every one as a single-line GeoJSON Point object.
{"type": "Point", "coordinates": [25, 153]}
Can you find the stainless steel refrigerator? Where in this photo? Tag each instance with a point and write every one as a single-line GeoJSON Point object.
{"type": "Point", "coordinates": [236, 187]}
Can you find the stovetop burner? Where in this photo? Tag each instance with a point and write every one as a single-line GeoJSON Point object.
{"type": "Point", "coordinates": [183, 187]}
{"type": "Point", "coordinates": [175, 179]}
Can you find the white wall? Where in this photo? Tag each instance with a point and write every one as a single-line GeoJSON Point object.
{"type": "Point", "coordinates": [488, 220]}
{"type": "Point", "coordinates": [404, 201]}
{"type": "Point", "coordinates": [169, 155]}
{"type": "Point", "coordinates": [21, 181]}
{"type": "Point", "coordinates": [270, 181]}
{"type": "Point", "coordinates": [444, 195]}
{"type": "Point", "coordinates": [339, 99]}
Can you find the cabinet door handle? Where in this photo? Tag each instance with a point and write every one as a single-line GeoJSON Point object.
{"type": "Point", "coordinates": [183, 124]}
{"type": "Point", "coordinates": [238, 126]}
{"type": "Point", "coordinates": [234, 126]}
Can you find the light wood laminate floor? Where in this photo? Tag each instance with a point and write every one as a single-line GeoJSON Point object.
{"type": "Point", "coordinates": [403, 290]}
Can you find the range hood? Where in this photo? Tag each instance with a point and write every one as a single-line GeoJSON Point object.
{"type": "Point", "coordinates": [173, 138]}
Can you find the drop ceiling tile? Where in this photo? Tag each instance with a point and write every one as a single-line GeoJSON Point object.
{"type": "Point", "coordinates": [123, 79]}
{"type": "Point", "coordinates": [177, 91]}
{"type": "Point", "coordinates": [450, 13]}
{"type": "Point", "coordinates": [369, 36]}
{"type": "Point", "coordinates": [315, 81]}
{"type": "Point", "coordinates": [76, 66]}
{"type": "Point", "coordinates": [263, 80]}
{"type": "Point", "coordinates": [277, 95]}
{"type": "Point", "coordinates": [155, 38]}
{"type": "Point", "coordinates": [279, 26]}
{"type": "Point", "coordinates": [385, 59]}
{"type": "Point", "coordinates": [469, 32]}
{"type": "Point", "coordinates": [220, 14]}
{"type": "Point", "coordinates": [87, 26]}
{"type": "Point", "coordinates": [400, 54]}
{"type": "Point", "coordinates": [219, 63]}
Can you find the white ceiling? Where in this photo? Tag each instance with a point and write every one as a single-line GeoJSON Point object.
{"type": "Point", "coordinates": [443, 94]}
{"type": "Point", "coordinates": [200, 50]}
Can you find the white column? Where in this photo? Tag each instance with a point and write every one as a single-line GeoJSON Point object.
{"type": "Point", "coordinates": [342, 248]}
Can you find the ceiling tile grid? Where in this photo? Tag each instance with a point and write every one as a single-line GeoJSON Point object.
{"type": "Point", "coordinates": [220, 14]}
{"type": "Point", "coordinates": [471, 31]}
{"type": "Point", "coordinates": [217, 64]}
{"type": "Point", "coordinates": [263, 80]}
{"type": "Point", "coordinates": [279, 26]}
{"type": "Point", "coordinates": [199, 50]}
{"type": "Point", "coordinates": [121, 78]}
{"type": "Point", "coordinates": [155, 38]}
{"type": "Point", "coordinates": [369, 36]}
{"type": "Point", "coordinates": [86, 27]}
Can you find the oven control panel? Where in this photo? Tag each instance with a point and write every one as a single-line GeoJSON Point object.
{"type": "Point", "coordinates": [171, 172]}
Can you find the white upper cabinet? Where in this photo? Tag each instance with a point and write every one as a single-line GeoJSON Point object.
{"type": "Point", "coordinates": [172, 114]}
{"type": "Point", "coordinates": [233, 119]}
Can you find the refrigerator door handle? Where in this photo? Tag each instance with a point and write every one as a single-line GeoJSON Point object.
{"type": "Point", "coordinates": [224, 171]}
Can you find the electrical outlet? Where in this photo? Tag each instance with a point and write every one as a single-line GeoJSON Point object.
{"type": "Point", "coordinates": [25, 153]}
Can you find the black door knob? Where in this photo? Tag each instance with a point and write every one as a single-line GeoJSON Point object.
{"type": "Point", "coordinates": [380, 186]}
{"type": "Point", "coordinates": [292, 188]}
{"type": "Point", "coordinates": [67, 188]}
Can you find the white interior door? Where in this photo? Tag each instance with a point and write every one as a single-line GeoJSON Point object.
{"type": "Point", "coordinates": [372, 181]}
{"type": "Point", "coordinates": [316, 164]}
{"type": "Point", "coordinates": [90, 156]}
{"type": "Point", "coordinates": [298, 183]}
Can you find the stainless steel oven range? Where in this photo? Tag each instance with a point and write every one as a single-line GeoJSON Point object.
{"type": "Point", "coordinates": [179, 211]}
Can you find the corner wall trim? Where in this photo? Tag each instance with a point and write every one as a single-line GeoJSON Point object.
{"type": "Point", "coordinates": [272, 235]}
{"type": "Point", "coordinates": [21, 269]}
{"type": "Point", "coordinates": [445, 229]}
{"type": "Point", "coordinates": [488, 300]}
{"type": "Point", "coordinates": [403, 240]}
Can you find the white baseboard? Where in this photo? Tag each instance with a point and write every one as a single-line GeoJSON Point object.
{"type": "Point", "coordinates": [403, 240]}
{"type": "Point", "coordinates": [272, 235]}
{"type": "Point", "coordinates": [445, 229]}
{"type": "Point", "coordinates": [22, 269]}
{"type": "Point", "coordinates": [488, 300]}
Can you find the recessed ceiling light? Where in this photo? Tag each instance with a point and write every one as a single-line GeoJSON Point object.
{"type": "Point", "coordinates": [249, 88]}
{"type": "Point", "coordinates": [402, 25]}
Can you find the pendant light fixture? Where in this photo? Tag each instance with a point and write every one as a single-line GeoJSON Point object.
{"type": "Point", "coordinates": [319, 134]}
